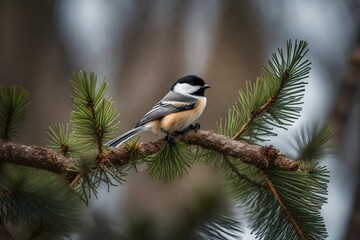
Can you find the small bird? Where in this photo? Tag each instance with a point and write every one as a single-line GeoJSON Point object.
{"type": "Point", "coordinates": [176, 112]}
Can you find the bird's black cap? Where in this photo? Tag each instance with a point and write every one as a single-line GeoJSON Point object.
{"type": "Point", "coordinates": [195, 81]}
{"type": "Point", "coordinates": [191, 79]}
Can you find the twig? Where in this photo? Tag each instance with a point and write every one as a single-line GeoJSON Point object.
{"type": "Point", "coordinates": [251, 118]}
{"type": "Point", "coordinates": [283, 206]}
{"type": "Point", "coordinates": [240, 175]}
{"type": "Point", "coordinates": [263, 108]}
{"type": "Point", "coordinates": [98, 130]}
{"type": "Point", "coordinates": [76, 179]}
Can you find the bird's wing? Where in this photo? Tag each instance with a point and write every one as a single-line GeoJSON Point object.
{"type": "Point", "coordinates": [171, 103]}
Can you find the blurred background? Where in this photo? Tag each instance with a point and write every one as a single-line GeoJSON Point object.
{"type": "Point", "coordinates": [142, 47]}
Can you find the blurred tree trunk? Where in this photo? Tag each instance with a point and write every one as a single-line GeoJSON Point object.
{"type": "Point", "coordinates": [151, 56]}
{"type": "Point", "coordinates": [33, 56]}
{"type": "Point", "coordinates": [353, 231]}
{"type": "Point", "coordinates": [346, 103]}
{"type": "Point", "coordinates": [237, 57]}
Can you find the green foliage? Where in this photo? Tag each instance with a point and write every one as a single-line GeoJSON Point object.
{"type": "Point", "coordinates": [13, 100]}
{"type": "Point", "coordinates": [92, 174]}
{"type": "Point", "coordinates": [61, 140]}
{"type": "Point", "coordinates": [170, 163]}
{"type": "Point", "coordinates": [276, 202]}
{"type": "Point", "coordinates": [84, 165]}
{"type": "Point", "coordinates": [93, 118]}
{"type": "Point", "coordinates": [273, 100]}
{"type": "Point", "coordinates": [312, 142]}
{"type": "Point", "coordinates": [241, 179]}
{"type": "Point", "coordinates": [135, 157]}
{"type": "Point", "coordinates": [223, 226]}
{"type": "Point", "coordinates": [37, 201]}
{"type": "Point", "coordinates": [302, 192]}
{"type": "Point", "coordinates": [208, 218]}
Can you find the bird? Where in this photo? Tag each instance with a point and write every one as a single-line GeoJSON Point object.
{"type": "Point", "coordinates": [174, 113]}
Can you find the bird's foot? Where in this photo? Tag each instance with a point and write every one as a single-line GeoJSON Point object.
{"type": "Point", "coordinates": [170, 139]}
{"type": "Point", "coordinates": [195, 127]}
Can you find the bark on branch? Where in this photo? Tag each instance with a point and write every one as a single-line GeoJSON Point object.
{"type": "Point", "coordinates": [44, 158]}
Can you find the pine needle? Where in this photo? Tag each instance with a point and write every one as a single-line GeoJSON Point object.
{"type": "Point", "coordinates": [291, 210]}
{"type": "Point", "coordinates": [170, 163]}
{"type": "Point", "coordinates": [61, 140]}
{"type": "Point", "coordinates": [91, 173]}
{"type": "Point", "coordinates": [94, 117]}
{"type": "Point", "coordinates": [312, 142]}
{"type": "Point", "coordinates": [273, 101]}
{"type": "Point", "coordinates": [37, 199]}
{"type": "Point", "coordinates": [13, 100]}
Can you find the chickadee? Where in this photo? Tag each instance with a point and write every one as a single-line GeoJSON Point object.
{"type": "Point", "coordinates": [183, 104]}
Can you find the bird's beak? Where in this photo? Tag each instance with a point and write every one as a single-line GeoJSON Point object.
{"type": "Point", "coordinates": [206, 86]}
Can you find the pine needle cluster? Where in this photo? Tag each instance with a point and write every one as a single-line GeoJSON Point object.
{"type": "Point", "coordinates": [37, 203]}
{"type": "Point", "coordinates": [34, 202]}
{"type": "Point", "coordinates": [93, 117]}
{"type": "Point", "coordinates": [170, 163]}
{"type": "Point", "coordinates": [94, 120]}
{"type": "Point", "coordinates": [13, 100]}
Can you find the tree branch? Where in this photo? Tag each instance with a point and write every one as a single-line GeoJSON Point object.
{"type": "Point", "coordinates": [43, 158]}
{"type": "Point", "coordinates": [33, 156]}
{"type": "Point", "coordinates": [240, 175]}
{"type": "Point", "coordinates": [264, 107]}
{"type": "Point", "coordinates": [284, 207]}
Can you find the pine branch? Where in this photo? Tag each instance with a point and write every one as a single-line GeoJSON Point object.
{"type": "Point", "coordinates": [273, 100]}
{"type": "Point", "coordinates": [43, 158]}
{"type": "Point", "coordinates": [241, 176]}
{"type": "Point", "coordinates": [261, 157]}
{"type": "Point", "coordinates": [283, 206]}
{"type": "Point", "coordinates": [290, 207]}
{"type": "Point", "coordinates": [93, 117]}
{"type": "Point", "coordinates": [170, 163]}
{"type": "Point", "coordinates": [33, 156]}
{"type": "Point", "coordinates": [253, 115]}
{"type": "Point", "coordinates": [94, 121]}
{"type": "Point", "coordinates": [61, 140]}
{"type": "Point", "coordinates": [286, 190]}
{"type": "Point", "coordinates": [37, 201]}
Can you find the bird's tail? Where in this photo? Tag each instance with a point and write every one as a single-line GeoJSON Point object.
{"type": "Point", "coordinates": [123, 137]}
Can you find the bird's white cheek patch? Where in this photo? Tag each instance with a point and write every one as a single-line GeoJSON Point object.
{"type": "Point", "coordinates": [185, 88]}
